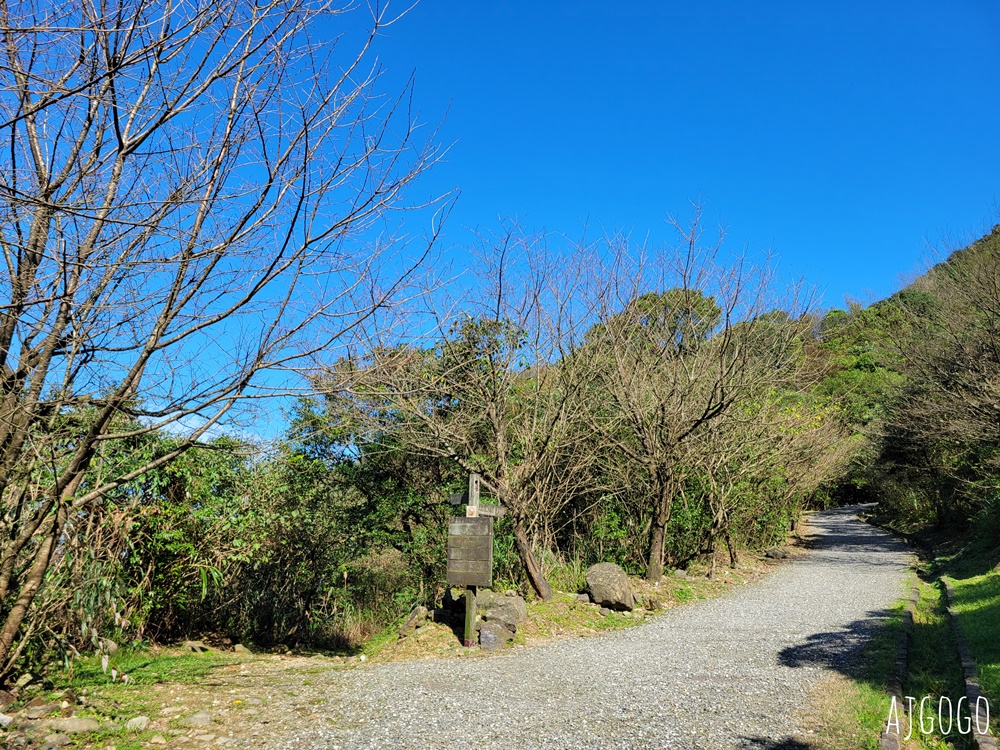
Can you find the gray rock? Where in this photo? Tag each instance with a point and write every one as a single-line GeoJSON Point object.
{"type": "Point", "coordinates": [416, 618]}
{"type": "Point", "coordinates": [58, 740]}
{"type": "Point", "coordinates": [75, 725]}
{"type": "Point", "coordinates": [37, 712]}
{"type": "Point", "coordinates": [605, 611]}
{"type": "Point", "coordinates": [138, 724]}
{"type": "Point", "coordinates": [776, 553]}
{"type": "Point", "coordinates": [5, 720]}
{"type": "Point", "coordinates": [197, 719]}
{"type": "Point", "coordinates": [241, 649]}
{"type": "Point", "coordinates": [493, 635]}
{"type": "Point", "coordinates": [583, 598]}
{"type": "Point", "coordinates": [507, 611]}
{"type": "Point", "coordinates": [204, 737]}
{"type": "Point", "coordinates": [24, 680]}
{"type": "Point", "coordinates": [679, 573]}
{"type": "Point", "coordinates": [196, 646]}
{"type": "Point", "coordinates": [609, 586]}
{"type": "Point", "coordinates": [157, 739]}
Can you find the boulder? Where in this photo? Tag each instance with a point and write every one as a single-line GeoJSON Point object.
{"type": "Point", "coordinates": [507, 611]}
{"type": "Point", "coordinates": [583, 598]}
{"type": "Point", "coordinates": [493, 635]}
{"type": "Point", "coordinates": [196, 646]}
{"type": "Point", "coordinates": [609, 586]}
{"type": "Point", "coordinates": [776, 553]}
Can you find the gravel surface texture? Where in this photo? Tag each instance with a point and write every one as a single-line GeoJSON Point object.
{"type": "Point", "coordinates": [724, 673]}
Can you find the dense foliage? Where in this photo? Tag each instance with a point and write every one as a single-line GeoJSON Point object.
{"type": "Point", "coordinates": [333, 535]}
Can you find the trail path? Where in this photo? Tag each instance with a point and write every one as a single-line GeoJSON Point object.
{"type": "Point", "coordinates": [731, 672]}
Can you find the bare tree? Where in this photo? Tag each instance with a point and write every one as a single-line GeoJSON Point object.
{"type": "Point", "coordinates": [184, 191]}
{"type": "Point", "coordinates": [495, 390]}
{"type": "Point", "coordinates": [675, 347]}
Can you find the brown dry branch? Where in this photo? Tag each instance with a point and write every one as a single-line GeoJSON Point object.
{"type": "Point", "coordinates": [184, 188]}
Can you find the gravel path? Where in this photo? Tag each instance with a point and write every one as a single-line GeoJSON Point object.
{"type": "Point", "coordinates": [723, 673]}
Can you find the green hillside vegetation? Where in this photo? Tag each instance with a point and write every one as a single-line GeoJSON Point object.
{"type": "Point", "coordinates": [662, 420]}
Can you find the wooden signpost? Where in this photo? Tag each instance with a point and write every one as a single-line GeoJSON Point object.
{"type": "Point", "coordinates": [470, 549]}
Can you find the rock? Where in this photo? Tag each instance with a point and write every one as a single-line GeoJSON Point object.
{"type": "Point", "coordinates": [75, 725]}
{"type": "Point", "coordinates": [37, 712]}
{"type": "Point", "coordinates": [507, 611]}
{"type": "Point", "coordinates": [678, 573]}
{"type": "Point", "coordinates": [493, 635]}
{"type": "Point", "coordinates": [198, 719]}
{"type": "Point", "coordinates": [416, 618]}
{"type": "Point", "coordinates": [58, 740]}
{"type": "Point", "coordinates": [605, 611]}
{"type": "Point", "coordinates": [204, 737]}
{"type": "Point", "coordinates": [138, 724]}
{"type": "Point", "coordinates": [363, 657]}
{"type": "Point", "coordinates": [609, 586]}
{"type": "Point", "coordinates": [5, 720]}
{"type": "Point", "coordinates": [654, 605]}
{"type": "Point", "coordinates": [510, 592]}
{"type": "Point", "coordinates": [776, 553]}
{"type": "Point", "coordinates": [239, 648]}
{"type": "Point", "coordinates": [24, 680]}
{"type": "Point", "coordinates": [108, 646]}
{"type": "Point", "coordinates": [196, 646]}
{"type": "Point", "coordinates": [157, 739]}
{"type": "Point", "coordinates": [6, 699]}
{"type": "Point", "coordinates": [583, 598]}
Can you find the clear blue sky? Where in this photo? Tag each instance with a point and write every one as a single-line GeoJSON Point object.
{"type": "Point", "coordinates": [844, 136]}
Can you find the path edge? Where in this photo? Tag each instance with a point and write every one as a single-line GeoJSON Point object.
{"type": "Point", "coordinates": [890, 739]}
{"type": "Point", "coordinates": [971, 673]}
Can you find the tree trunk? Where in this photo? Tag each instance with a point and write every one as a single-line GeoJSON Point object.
{"type": "Point", "coordinates": [733, 559]}
{"type": "Point", "coordinates": [535, 575]}
{"type": "Point", "coordinates": [654, 564]}
{"type": "Point", "coordinates": [32, 582]}
{"type": "Point", "coordinates": [658, 535]}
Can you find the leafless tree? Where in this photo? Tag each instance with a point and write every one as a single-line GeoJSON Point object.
{"type": "Point", "coordinates": [185, 190]}
{"type": "Point", "coordinates": [494, 389]}
{"type": "Point", "coordinates": [680, 339]}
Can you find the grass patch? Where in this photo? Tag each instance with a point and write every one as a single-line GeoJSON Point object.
{"type": "Point", "coordinates": [977, 605]}
{"type": "Point", "coordinates": [851, 712]}
{"type": "Point", "coordinates": [114, 701]}
{"type": "Point", "coordinates": [933, 668]}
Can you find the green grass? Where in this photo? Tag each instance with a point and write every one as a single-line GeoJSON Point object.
{"type": "Point", "coordinates": [977, 604]}
{"type": "Point", "coordinates": [114, 701]}
{"type": "Point", "coordinates": [856, 713]}
{"type": "Point", "coordinates": [868, 704]}
{"type": "Point", "coordinates": [933, 667]}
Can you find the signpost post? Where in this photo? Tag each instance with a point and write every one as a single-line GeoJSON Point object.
{"type": "Point", "coordinates": [470, 549]}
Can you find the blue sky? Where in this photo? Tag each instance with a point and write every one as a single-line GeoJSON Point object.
{"type": "Point", "coordinates": [847, 137]}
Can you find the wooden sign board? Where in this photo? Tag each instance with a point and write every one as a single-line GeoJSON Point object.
{"type": "Point", "coordinates": [470, 551]}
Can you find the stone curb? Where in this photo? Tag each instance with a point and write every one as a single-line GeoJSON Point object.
{"type": "Point", "coordinates": [972, 690]}
{"type": "Point", "coordinates": [890, 740]}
